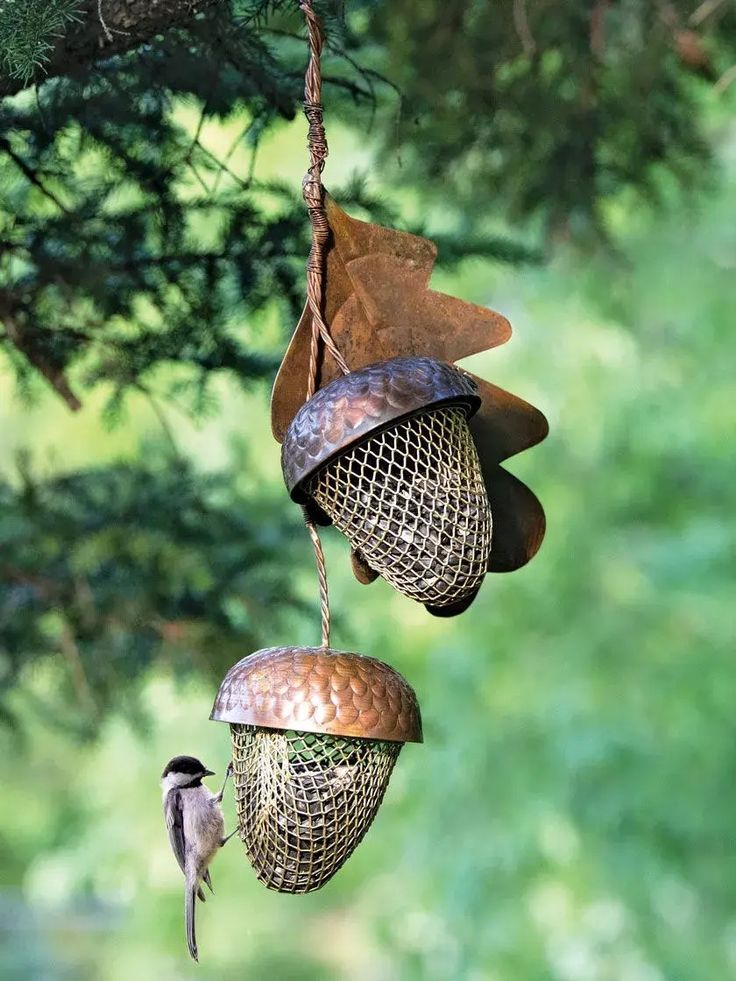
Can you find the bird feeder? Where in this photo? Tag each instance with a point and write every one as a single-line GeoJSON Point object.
{"type": "Point", "coordinates": [315, 736]}
{"type": "Point", "coordinates": [386, 455]}
{"type": "Point", "coordinates": [383, 436]}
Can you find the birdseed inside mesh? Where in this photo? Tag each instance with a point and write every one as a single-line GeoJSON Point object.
{"type": "Point", "coordinates": [305, 800]}
{"type": "Point", "coordinates": [412, 501]}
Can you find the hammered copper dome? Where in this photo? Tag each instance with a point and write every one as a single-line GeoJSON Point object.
{"type": "Point", "coordinates": [317, 689]}
{"type": "Point", "coordinates": [361, 403]}
{"type": "Point", "coordinates": [315, 736]}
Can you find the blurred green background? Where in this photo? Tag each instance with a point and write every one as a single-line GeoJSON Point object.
{"type": "Point", "coordinates": [571, 813]}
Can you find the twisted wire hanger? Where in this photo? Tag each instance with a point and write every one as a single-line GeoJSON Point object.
{"type": "Point", "coordinates": [313, 192]}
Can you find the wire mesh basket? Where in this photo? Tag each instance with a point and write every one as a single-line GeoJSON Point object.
{"type": "Point", "coordinates": [305, 800]}
{"type": "Point", "coordinates": [315, 736]}
{"type": "Point", "coordinates": [386, 454]}
{"type": "Point", "coordinates": [412, 501]}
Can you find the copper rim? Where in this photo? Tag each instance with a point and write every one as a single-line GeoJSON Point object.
{"type": "Point", "coordinates": [358, 404]}
{"type": "Point", "coordinates": [316, 689]}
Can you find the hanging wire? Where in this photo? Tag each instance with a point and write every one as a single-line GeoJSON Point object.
{"type": "Point", "coordinates": [313, 192]}
{"type": "Point", "coordinates": [324, 600]}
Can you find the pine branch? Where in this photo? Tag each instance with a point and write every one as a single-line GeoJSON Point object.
{"type": "Point", "coordinates": [28, 31]}
{"type": "Point", "coordinates": [35, 354]}
{"type": "Point", "coordinates": [126, 24]}
{"type": "Point", "coordinates": [30, 174]}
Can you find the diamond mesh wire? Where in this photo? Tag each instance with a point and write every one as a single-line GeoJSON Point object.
{"type": "Point", "coordinates": [305, 800]}
{"type": "Point", "coordinates": [412, 501]}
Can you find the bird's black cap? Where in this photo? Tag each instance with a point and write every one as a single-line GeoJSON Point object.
{"type": "Point", "coordinates": [185, 764]}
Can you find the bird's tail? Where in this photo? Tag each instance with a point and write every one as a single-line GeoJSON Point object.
{"type": "Point", "coordinates": [190, 895]}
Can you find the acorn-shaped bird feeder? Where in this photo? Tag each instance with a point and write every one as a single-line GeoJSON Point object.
{"type": "Point", "coordinates": [385, 453]}
{"type": "Point", "coordinates": [375, 418]}
{"type": "Point", "coordinates": [315, 736]}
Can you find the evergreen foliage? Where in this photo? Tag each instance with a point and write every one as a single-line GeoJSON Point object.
{"type": "Point", "coordinates": [551, 110]}
{"type": "Point", "coordinates": [28, 29]}
{"type": "Point", "coordinates": [125, 243]}
{"type": "Point", "coordinates": [111, 568]}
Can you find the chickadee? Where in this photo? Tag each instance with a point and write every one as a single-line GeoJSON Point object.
{"type": "Point", "coordinates": [196, 828]}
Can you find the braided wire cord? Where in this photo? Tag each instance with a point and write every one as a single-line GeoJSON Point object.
{"type": "Point", "coordinates": [313, 193]}
{"type": "Point", "coordinates": [324, 600]}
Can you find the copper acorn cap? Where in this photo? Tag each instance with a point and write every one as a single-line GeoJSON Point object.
{"type": "Point", "coordinates": [317, 689]}
{"type": "Point", "coordinates": [356, 405]}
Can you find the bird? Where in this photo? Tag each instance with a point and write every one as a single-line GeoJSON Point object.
{"type": "Point", "coordinates": [196, 829]}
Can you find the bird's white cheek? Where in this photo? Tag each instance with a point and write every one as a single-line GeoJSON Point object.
{"type": "Point", "coordinates": [173, 780]}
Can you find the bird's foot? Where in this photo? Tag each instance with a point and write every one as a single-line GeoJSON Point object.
{"type": "Point", "coordinates": [228, 774]}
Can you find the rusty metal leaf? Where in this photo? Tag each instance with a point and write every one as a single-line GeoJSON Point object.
{"type": "Point", "coordinates": [378, 306]}
{"type": "Point", "coordinates": [518, 520]}
{"type": "Point", "coordinates": [505, 424]}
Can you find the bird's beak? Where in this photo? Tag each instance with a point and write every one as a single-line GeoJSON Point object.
{"type": "Point", "coordinates": [209, 773]}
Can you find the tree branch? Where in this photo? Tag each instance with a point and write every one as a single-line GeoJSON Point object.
{"type": "Point", "coordinates": [704, 11]}
{"type": "Point", "coordinates": [51, 371]}
{"type": "Point", "coordinates": [726, 79]}
{"type": "Point", "coordinates": [127, 24]}
{"type": "Point", "coordinates": [523, 31]}
{"type": "Point", "coordinates": [70, 650]}
{"type": "Point", "coordinates": [30, 174]}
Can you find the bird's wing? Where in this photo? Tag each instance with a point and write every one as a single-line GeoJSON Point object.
{"type": "Point", "coordinates": [208, 882]}
{"type": "Point", "coordinates": [175, 824]}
